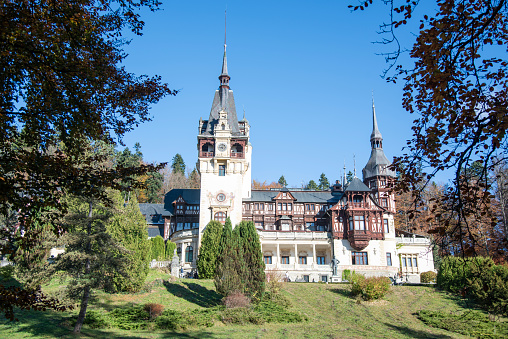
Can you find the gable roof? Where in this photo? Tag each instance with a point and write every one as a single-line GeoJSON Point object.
{"type": "Point", "coordinates": [190, 195]}
{"type": "Point", "coordinates": [153, 212]}
{"type": "Point", "coordinates": [356, 185]}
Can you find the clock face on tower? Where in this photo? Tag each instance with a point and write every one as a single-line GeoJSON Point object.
{"type": "Point", "coordinates": [222, 147]}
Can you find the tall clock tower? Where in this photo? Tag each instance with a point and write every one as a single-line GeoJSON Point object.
{"type": "Point", "coordinates": [224, 158]}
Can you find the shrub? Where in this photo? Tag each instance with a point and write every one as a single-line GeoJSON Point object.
{"type": "Point", "coordinates": [96, 319]}
{"type": "Point", "coordinates": [6, 272]}
{"type": "Point", "coordinates": [129, 318]}
{"type": "Point", "coordinates": [274, 280]}
{"type": "Point", "coordinates": [428, 277]}
{"type": "Point", "coordinates": [153, 310]}
{"type": "Point", "coordinates": [236, 299]}
{"type": "Point", "coordinates": [346, 275]}
{"type": "Point", "coordinates": [242, 316]}
{"type": "Point", "coordinates": [477, 278]}
{"type": "Point", "coordinates": [470, 323]}
{"type": "Point", "coordinates": [370, 288]}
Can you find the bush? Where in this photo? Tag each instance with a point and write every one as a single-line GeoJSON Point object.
{"type": "Point", "coordinates": [97, 319]}
{"type": "Point", "coordinates": [6, 272]}
{"type": "Point", "coordinates": [236, 299]}
{"type": "Point", "coordinates": [129, 318]}
{"type": "Point", "coordinates": [346, 275]}
{"type": "Point", "coordinates": [470, 323]}
{"type": "Point", "coordinates": [477, 278]}
{"type": "Point", "coordinates": [370, 288]}
{"type": "Point", "coordinates": [274, 280]}
{"type": "Point", "coordinates": [428, 277]}
{"type": "Point", "coordinates": [153, 310]}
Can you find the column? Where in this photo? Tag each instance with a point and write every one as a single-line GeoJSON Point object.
{"type": "Point", "coordinates": [277, 260]}
{"type": "Point", "coordinates": [314, 263]}
{"type": "Point", "coordinates": [296, 257]}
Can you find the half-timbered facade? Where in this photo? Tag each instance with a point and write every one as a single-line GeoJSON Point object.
{"type": "Point", "coordinates": [311, 235]}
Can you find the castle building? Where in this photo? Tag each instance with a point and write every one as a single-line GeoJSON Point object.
{"type": "Point", "coordinates": [311, 235]}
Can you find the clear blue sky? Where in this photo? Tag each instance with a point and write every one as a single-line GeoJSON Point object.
{"type": "Point", "coordinates": [303, 71]}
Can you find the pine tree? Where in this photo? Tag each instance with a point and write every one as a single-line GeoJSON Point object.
{"type": "Point", "coordinates": [312, 186]}
{"type": "Point", "coordinates": [128, 227]}
{"type": "Point", "coordinates": [91, 253]}
{"type": "Point", "coordinates": [282, 181]}
{"type": "Point", "coordinates": [158, 248]}
{"type": "Point", "coordinates": [254, 274]}
{"type": "Point", "coordinates": [324, 184]}
{"type": "Point", "coordinates": [230, 266]}
{"type": "Point", "coordinates": [209, 250]}
{"type": "Point", "coordinates": [349, 177]}
{"type": "Point", "coordinates": [178, 165]}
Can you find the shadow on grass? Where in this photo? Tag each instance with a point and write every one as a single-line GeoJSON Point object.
{"type": "Point", "coordinates": [345, 292]}
{"type": "Point", "coordinates": [414, 333]}
{"type": "Point", "coordinates": [194, 293]}
{"type": "Point", "coordinates": [40, 323]}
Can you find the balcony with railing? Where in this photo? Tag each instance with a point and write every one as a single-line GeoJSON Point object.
{"type": "Point", "coordinates": [238, 155]}
{"type": "Point", "coordinates": [205, 154]}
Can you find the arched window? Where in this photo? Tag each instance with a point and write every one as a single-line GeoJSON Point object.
{"type": "Point", "coordinates": [237, 148]}
{"type": "Point", "coordinates": [189, 254]}
{"type": "Point", "coordinates": [220, 216]}
{"type": "Point", "coordinates": [223, 127]}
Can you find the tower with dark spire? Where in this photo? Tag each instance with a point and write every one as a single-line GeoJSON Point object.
{"type": "Point", "coordinates": [224, 156]}
{"type": "Point", "coordinates": [376, 174]}
{"type": "Point", "coordinates": [378, 163]}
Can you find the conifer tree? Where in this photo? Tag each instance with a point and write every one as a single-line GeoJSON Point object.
{"type": "Point", "coordinates": [312, 186]}
{"type": "Point", "coordinates": [282, 181]}
{"type": "Point", "coordinates": [158, 248]}
{"type": "Point", "coordinates": [254, 273]}
{"type": "Point", "coordinates": [324, 184]}
{"type": "Point", "coordinates": [170, 249]}
{"type": "Point", "coordinates": [128, 227]}
{"type": "Point", "coordinates": [230, 267]}
{"type": "Point", "coordinates": [209, 250]}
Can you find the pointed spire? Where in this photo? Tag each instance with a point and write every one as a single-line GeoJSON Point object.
{"type": "Point", "coordinates": [375, 138]}
{"type": "Point", "coordinates": [354, 165]}
{"type": "Point", "coordinates": [224, 58]}
{"type": "Point", "coordinates": [344, 179]}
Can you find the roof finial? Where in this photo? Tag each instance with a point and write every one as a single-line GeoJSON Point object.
{"type": "Point", "coordinates": [344, 179]}
{"type": "Point", "coordinates": [354, 165]}
{"type": "Point", "coordinates": [375, 131]}
{"type": "Point", "coordinates": [225, 12]}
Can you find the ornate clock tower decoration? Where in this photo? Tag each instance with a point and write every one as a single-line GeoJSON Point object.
{"type": "Point", "coordinates": [224, 158]}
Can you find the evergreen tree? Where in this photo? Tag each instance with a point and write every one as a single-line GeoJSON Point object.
{"type": "Point", "coordinates": [170, 249]}
{"type": "Point", "coordinates": [282, 181]}
{"type": "Point", "coordinates": [312, 186]}
{"type": "Point", "coordinates": [349, 177]}
{"type": "Point", "coordinates": [158, 248]}
{"type": "Point", "coordinates": [91, 253]}
{"type": "Point", "coordinates": [254, 273]}
{"type": "Point", "coordinates": [229, 268]}
{"type": "Point", "coordinates": [178, 165]}
{"type": "Point", "coordinates": [324, 184]}
{"type": "Point", "coordinates": [153, 187]}
{"type": "Point", "coordinates": [128, 227]}
{"type": "Point", "coordinates": [209, 250]}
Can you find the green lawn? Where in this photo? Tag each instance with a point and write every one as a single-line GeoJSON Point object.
{"type": "Point", "coordinates": [330, 310]}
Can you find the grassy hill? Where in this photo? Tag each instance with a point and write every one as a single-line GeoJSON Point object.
{"type": "Point", "coordinates": [329, 309]}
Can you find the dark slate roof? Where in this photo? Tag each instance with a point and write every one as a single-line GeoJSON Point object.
{"type": "Point", "coordinates": [153, 212]}
{"type": "Point", "coordinates": [377, 165]}
{"type": "Point", "coordinates": [300, 196]}
{"type": "Point", "coordinates": [190, 195]}
{"type": "Point", "coordinates": [356, 185]}
{"type": "Point", "coordinates": [155, 231]}
{"type": "Point", "coordinates": [223, 100]}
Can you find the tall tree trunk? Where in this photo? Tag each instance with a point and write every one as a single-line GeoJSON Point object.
{"type": "Point", "coordinates": [86, 290]}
